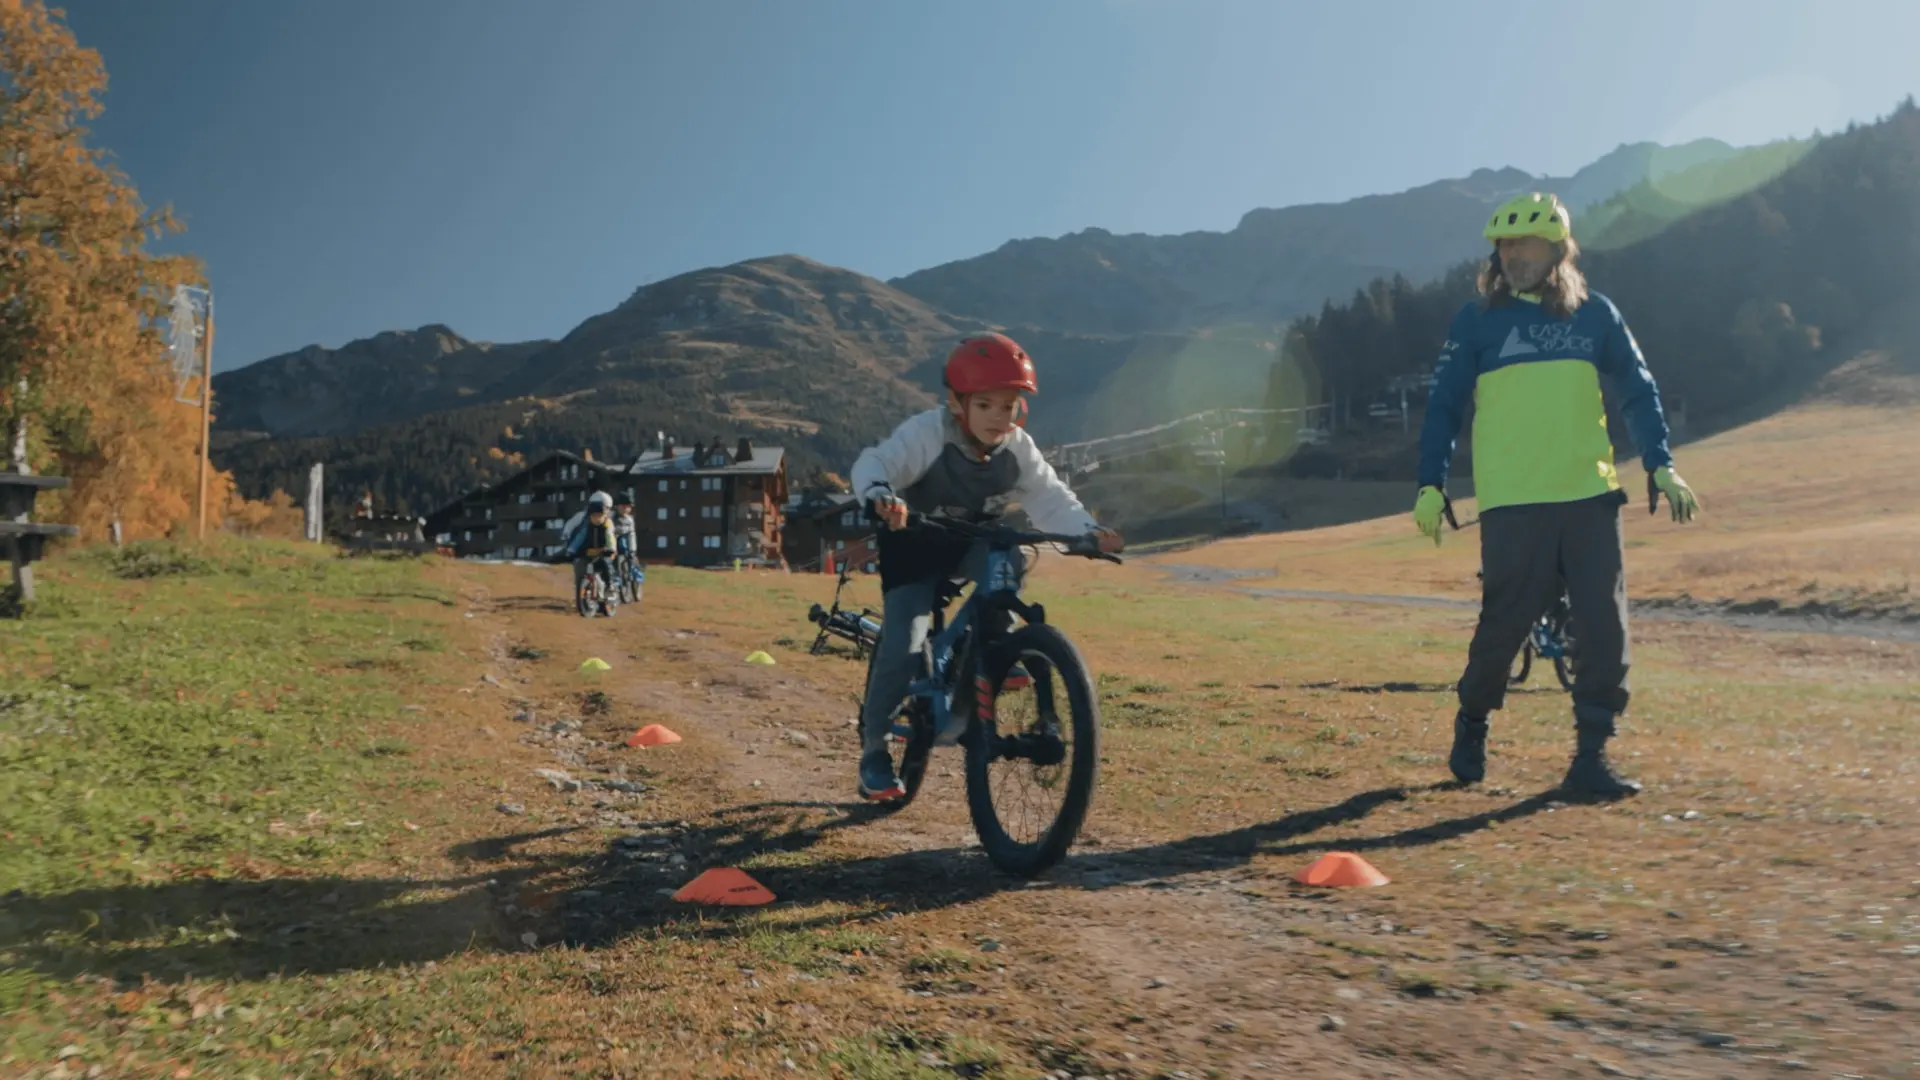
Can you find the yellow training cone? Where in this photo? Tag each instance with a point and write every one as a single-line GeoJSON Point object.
{"type": "Point", "coordinates": [594, 663]}
{"type": "Point", "coordinates": [759, 656]}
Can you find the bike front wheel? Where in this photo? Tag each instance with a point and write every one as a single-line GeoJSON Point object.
{"type": "Point", "coordinates": [586, 599]}
{"type": "Point", "coordinates": [1032, 750]}
{"type": "Point", "coordinates": [1566, 664]}
{"type": "Point", "coordinates": [1522, 665]}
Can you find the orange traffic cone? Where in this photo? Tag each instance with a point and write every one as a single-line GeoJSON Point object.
{"type": "Point", "coordinates": [1341, 870]}
{"type": "Point", "coordinates": [652, 735]}
{"type": "Point", "coordinates": [724, 885]}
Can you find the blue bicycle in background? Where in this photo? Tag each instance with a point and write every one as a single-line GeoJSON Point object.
{"type": "Point", "coordinates": [1550, 639]}
{"type": "Point", "coordinates": [1032, 721]}
{"type": "Point", "coordinates": [629, 577]}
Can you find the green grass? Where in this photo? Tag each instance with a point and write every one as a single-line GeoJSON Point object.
{"type": "Point", "coordinates": [898, 1054]}
{"type": "Point", "coordinates": [167, 712]}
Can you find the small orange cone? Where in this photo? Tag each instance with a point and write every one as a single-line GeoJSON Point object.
{"type": "Point", "coordinates": [652, 735]}
{"type": "Point", "coordinates": [724, 885]}
{"type": "Point", "coordinates": [1341, 870]}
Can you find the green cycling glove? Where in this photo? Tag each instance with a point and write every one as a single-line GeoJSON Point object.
{"type": "Point", "coordinates": [1680, 498]}
{"type": "Point", "coordinates": [1427, 511]}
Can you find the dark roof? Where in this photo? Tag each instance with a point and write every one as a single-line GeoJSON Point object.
{"type": "Point", "coordinates": [765, 461]}
{"type": "Point", "coordinates": [818, 504]}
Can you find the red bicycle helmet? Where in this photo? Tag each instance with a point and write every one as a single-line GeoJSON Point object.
{"type": "Point", "coordinates": [989, 362]}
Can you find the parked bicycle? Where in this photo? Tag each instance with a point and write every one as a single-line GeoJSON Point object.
{"type": "Point", "coordinates": [1550, 639]}
{"type": "Point", "coordinates": [863, 629]}
{"type": "Point", "coordinates": [978, 664]}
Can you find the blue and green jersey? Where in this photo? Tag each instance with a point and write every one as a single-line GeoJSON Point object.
{"type": "Point", "coordinates": [1540, 428]}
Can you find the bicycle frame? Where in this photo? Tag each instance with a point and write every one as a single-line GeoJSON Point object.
{"type": "Point", "coordinates": [999, 585]}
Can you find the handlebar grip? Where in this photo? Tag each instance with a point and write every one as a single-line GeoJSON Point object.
{"type": "Point", "coordinates": [1446, 511]}
{"type": "Point", "coordinates": [1653, 494]}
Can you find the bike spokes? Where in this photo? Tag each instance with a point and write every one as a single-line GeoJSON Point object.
{"type": "Point", "coordinates": [1031, 747]}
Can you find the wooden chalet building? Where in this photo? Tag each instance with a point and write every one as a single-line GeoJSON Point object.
{"type": "Point", "coordinates": [710, 505]}
{"type": "Point", "coordinates": [819, 525]}
{"type": "Point", "coordinates": [701, 507]}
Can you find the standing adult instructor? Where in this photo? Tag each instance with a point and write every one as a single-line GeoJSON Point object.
{"type": "Point", "coordinates": [1531, 354]}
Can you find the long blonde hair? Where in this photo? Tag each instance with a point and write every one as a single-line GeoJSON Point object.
{"type": "Point", "coordinates": [1561, 294]}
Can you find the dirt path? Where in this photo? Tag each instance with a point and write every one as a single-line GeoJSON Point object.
{"type": "Point", "coordinates": [1147, 954]}
{"type": "Point", "coordinates": [1757, 618]}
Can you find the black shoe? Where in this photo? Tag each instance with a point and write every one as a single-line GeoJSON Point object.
{"type": "Point", "coordinates": [1469, 758]}
{"type": "Point", "coordinates": [1591, 775]}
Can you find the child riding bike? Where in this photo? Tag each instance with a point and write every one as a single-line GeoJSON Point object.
{"type": "Point", "coordinates": [592, 546]}
{"type": "Point", "coordinates": [971, 460]}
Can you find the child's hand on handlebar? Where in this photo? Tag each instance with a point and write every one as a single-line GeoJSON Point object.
{"type": "Point", "coordinates": [891, 510]}
{"type": "Point", "coordinates": [1109, 541]}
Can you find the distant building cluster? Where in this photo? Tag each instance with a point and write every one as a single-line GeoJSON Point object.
{"type": "Point", "coordinates": [708, 505]}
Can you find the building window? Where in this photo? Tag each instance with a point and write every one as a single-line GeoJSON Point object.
{"type": "Point", "coordinates": [662, 544]}
{"type": "Point", "coordinates": [663, 512]}
{"type": "Point", "coordinates": [683, 541]}
{"type": "Point", "coordinates": [683, 485]}
{"type": "Point", "coordinates": [489, 513]}
{"type": "Point", "coordinates": [663, 485]}
{"type": "Point", "coordinates": [469, 535]}
{"type": "Point", "coordinates": [711, 542]}
{"type": "Point", "coordinates": [850, 519]}
{"type": "Point", "coordinates": [524, 498]}
{"type": "Point", "coordinates": [709, 511]}
{"type": "Point", "coordinates": [523, 526]}
{"type": "Point", "coordinates": [839, 545]}
{"type": "Point", "coordinates": [524, 553]}
{"type": "Point", "coordinates": [683, 511]}
{"type": "Point", "coordinates": [554, 549]}
{"type": "Point", "coordinates": [556, 523]}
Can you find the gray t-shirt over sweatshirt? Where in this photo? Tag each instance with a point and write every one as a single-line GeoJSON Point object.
{"type": "Point", "coordinates": [928, 462]}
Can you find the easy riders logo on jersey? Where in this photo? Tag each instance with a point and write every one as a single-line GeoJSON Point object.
{"type": "Point", "coordinates": [1556, 340]}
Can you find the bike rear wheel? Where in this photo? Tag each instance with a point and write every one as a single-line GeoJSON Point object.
{"type": "Point", "coordinates": [1566, 666]}
{"type": "Point", "coordinates": [585, 597]}
{"type": "Point", "coordinates": [1022, 750]}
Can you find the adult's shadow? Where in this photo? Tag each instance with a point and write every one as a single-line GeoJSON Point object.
{"type": "Point", "coordinates": [1284, 837]}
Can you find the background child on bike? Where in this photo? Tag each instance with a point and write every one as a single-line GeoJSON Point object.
{"type": "Point", "coordinates": [971, 460]}
{"type": "Point", "coordinates": [623, 530]}
{"type": "Point", "coordinates": [592, 546]}
{"type": "Point", "coordinates": [625, 541]}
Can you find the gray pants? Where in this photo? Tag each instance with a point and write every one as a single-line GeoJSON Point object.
{"type": "Point", "coordinates": [906, 619]}
{"type": "Point", "coordinates": [1526, 553]}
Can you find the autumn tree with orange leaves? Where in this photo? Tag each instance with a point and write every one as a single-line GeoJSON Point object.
{"type": "Point", "coordinates": [86, 388]}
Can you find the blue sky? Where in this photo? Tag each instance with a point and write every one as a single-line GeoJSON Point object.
{"type": "Point", "coordinates": [510, 167]}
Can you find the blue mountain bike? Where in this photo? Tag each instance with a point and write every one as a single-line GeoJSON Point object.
{"type": "Point", "coordinates": [1032, 720]}
{"type": "Point", "coordinates": [1550, 639]}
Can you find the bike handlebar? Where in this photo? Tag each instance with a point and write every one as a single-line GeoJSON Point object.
{"type": "Point", "coordinates": [1084, 546]}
